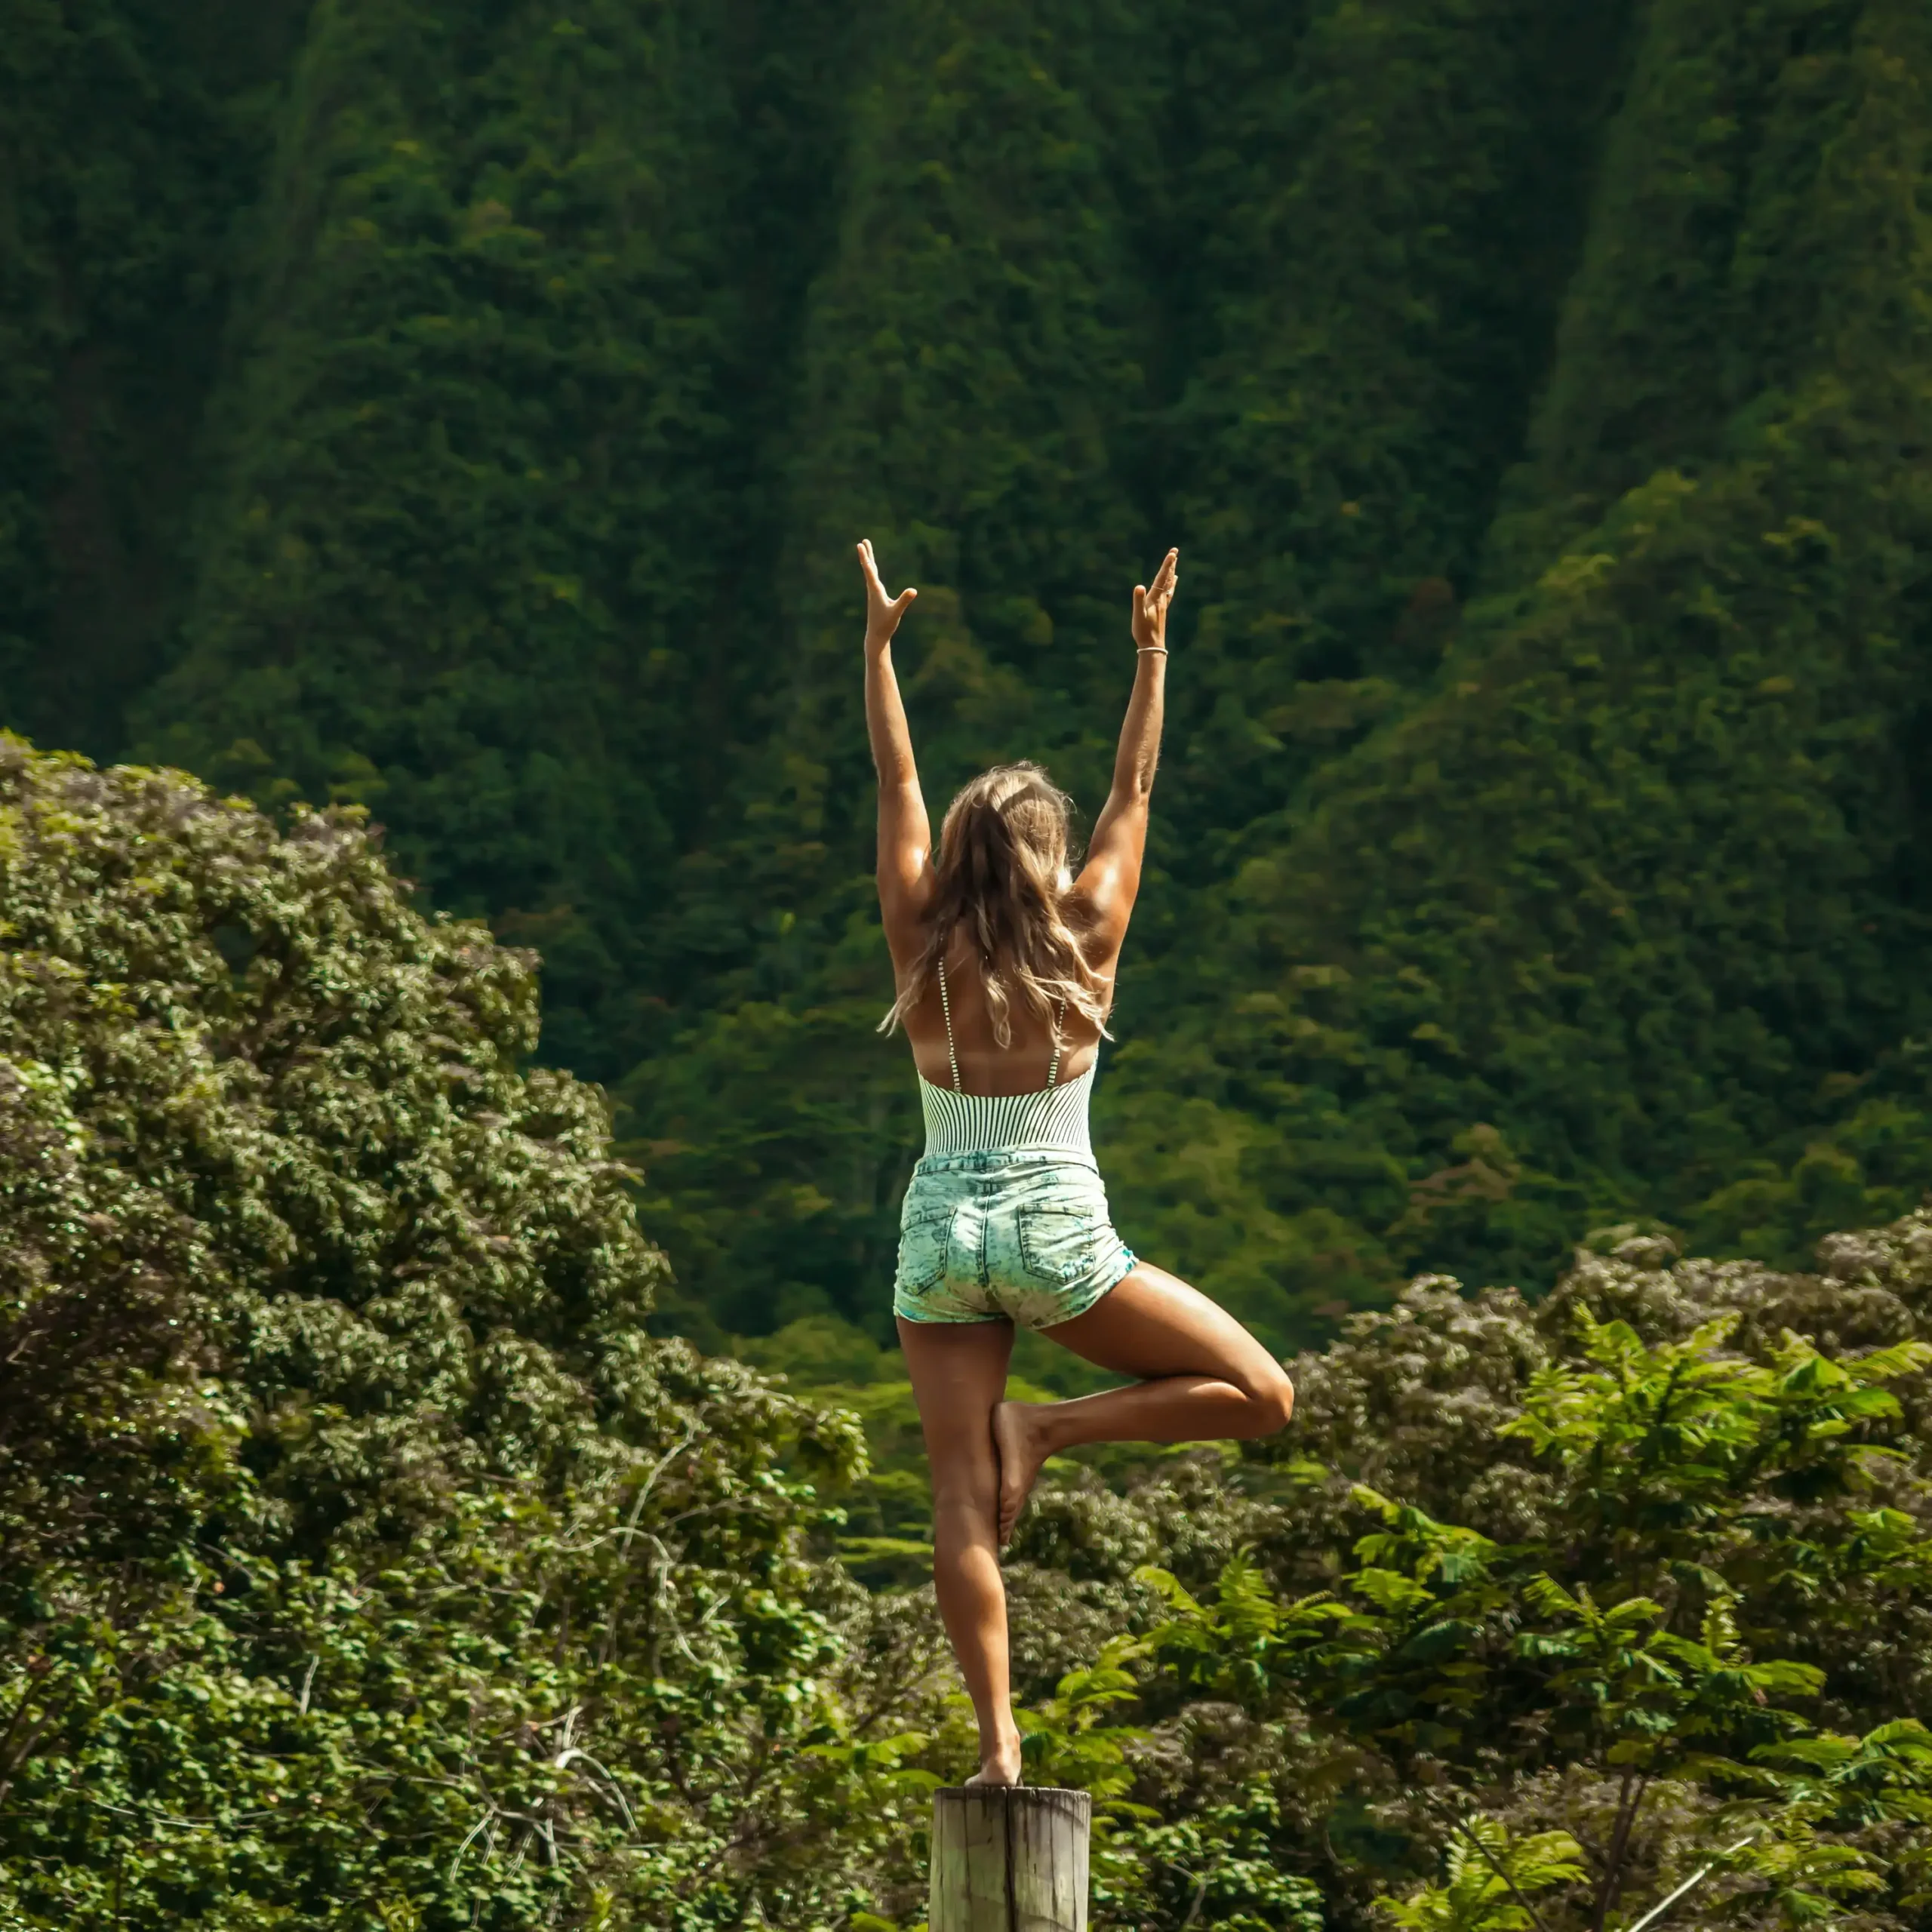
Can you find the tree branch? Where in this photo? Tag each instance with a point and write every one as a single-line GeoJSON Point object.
{"type": "Point", "coordinates": [1628, 1803]}
{"type": "Point", "coordinates": [1489, 1859]}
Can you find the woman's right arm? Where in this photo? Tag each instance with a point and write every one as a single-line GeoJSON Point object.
{"type": "Point", "coordinates": [905, 834]}
{"type": "Point", "coordinates": [1110, 880]}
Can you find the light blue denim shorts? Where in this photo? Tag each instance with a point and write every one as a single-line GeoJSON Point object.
{"type": "Point", "coordinates": [1022, 1236]}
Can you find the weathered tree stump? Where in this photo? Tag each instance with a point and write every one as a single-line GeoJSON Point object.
{"type": "Point", "coordinates": [1010, 1859]}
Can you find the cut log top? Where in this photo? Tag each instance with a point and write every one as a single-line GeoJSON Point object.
{"type": "Point", "coordinates": [1009, 1859]}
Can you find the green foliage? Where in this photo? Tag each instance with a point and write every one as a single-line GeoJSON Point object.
{"type": "Point", "coordinates": [1064, 1739]}
{"type": "Point", "coordinates": [1533, 392]}
{"type": "Point", "coordinates": [1708, 1511]}
{"type": "Point", "coordinates": [460, 1734]}
{"type": "Point", "coordinates": [1214, 1867]}
{"type": "Point", "coordinates": [1489, 1878]}
{"type": "Point", "coordinates": [366, 1561]}
{"type": "Point", "coordinates": [361, 1553]}
{"type": "Point", "coordinates": [477, 457]}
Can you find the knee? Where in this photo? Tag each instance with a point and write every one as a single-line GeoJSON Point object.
{"type": "Point", "coordinates": [1273, 1402]}
{"type": "Point", "coordinates": [966, 1496]}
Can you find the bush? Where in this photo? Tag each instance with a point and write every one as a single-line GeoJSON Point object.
{"type": "Point", "coordinates": [362, 1555]}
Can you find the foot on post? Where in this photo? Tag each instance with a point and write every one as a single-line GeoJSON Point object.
{"type": "Point", "coordinates": [1001, 1765]}
{"type": "Point", "coordinates": [1023, 1448]}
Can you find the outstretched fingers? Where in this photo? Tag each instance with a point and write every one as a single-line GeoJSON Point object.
{"type": "Point", "coordinates": [881, 608]}
{"type": "Point", "coordinates": [1150, 602]}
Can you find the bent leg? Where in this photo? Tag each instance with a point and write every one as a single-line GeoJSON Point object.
{"type": "Point", "coordinates": [958, 1375]}
{"type": "Point", "coordinates": [1202, 1378]}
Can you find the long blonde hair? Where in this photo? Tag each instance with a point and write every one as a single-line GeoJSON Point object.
{"type": "Point", "coordinates": [1002, 868]}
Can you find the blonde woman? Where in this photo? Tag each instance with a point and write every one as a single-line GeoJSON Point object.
{"type": "Point", "coordinates": [1004, 962]}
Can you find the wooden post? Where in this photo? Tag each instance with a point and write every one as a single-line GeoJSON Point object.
{"type": "Point", "coordinates": [1009, 1859]}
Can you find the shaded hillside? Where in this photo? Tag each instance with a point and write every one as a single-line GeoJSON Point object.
{"type": "Point", "coordinates": [487, 470]}
{"type": "Point", "coordinates": [1537, 396]}
{"type": "Point", "coordinates": [1631, 914]}
{"type": "Point", "coordinates": [134, 137]}
{"type": "Point", "coordinates": [1173, 330]}
{"type": "Point", "coordinates": [1383, 209]}
{"type": "Point", "coordinates": [330, 1441]}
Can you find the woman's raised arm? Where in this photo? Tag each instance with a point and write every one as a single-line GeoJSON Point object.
{"type": "Point", "coordinates": [1110, 877]}
{"type": "Point", "coordinates": [905, 836]}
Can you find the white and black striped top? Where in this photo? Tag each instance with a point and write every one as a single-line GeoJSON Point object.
{"type": "Point", "coordinates": [1053, 1120]}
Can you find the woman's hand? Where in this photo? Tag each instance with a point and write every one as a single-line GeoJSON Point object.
{"type": "Point", "coordinates": [882, 613]}
{"type": "Point", "coordinates": [905, 834]}
{"type": "Point", "coordinates": [1150, 607]}
{"type": "Point", "coordinates": [1110, 877]}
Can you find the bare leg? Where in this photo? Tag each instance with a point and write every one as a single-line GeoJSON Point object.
{"type": "Point", "coordinates": [1204, 1378]}
{"type": "Point", "coordinates": [958, 1375]}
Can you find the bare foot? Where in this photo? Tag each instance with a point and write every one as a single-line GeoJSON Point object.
{"type": "Point", "coordinates": [1001, 1765]}
{"type": "Point", "coordinates": [1022, 1450]}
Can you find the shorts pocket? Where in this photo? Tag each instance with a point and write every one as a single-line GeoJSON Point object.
{"type": "Point", "coordinates": [1058, 1245]}
{"type": "Point", "coordinates": [924, 1241]}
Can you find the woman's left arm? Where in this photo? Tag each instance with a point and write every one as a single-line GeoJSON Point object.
{"type": "Point", "coordinates": [905, 836]}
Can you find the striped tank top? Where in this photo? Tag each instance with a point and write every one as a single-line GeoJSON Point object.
{"type": "Point", "coordinates": [1051, 1121]}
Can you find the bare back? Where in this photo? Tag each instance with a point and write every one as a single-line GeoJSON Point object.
{"type": "Point", "coordinates": [985, 1066]}
{"type": "Point", "coordinates": [1102, 895]}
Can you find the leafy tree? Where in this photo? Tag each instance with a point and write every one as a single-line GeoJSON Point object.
{"type": "Point", "coordinates": [361, 1553]}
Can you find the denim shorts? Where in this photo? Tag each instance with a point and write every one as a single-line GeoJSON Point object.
{"type": "Point", "coordinates": [1022, 1236]}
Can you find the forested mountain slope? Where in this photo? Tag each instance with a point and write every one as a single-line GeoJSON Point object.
{"type": "Point", "coordinates": [132, 139]}
{"type": "Point", "coordinates": [1539, 395]}
{"type": "Point", "coordinates": [1631, 912]}
{"type": "Point", "coordinates": [483, 491]}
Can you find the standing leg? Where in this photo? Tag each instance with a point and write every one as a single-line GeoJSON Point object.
{"type": "Point", "coordinates": [1203, 1378]}
{"type": "Point", "coordinates": [958, 1375]}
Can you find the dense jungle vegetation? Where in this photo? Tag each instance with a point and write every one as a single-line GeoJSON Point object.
{"type": "Point", "coordinates": [367, 1564]}
{"type": "Point", "coordinates": [467, 412]}
{"type": "Point", "coordinates": [442, 431]}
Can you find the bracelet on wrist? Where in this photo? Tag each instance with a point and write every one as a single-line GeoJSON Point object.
{"type": "Point", "coordinates": [1142, 650]}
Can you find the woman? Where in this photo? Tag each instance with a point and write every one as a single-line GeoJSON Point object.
{"type": "Point", "coordinates": [1004, 964]}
